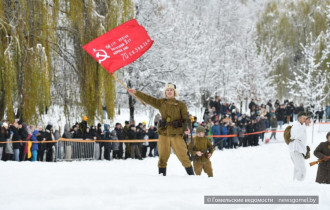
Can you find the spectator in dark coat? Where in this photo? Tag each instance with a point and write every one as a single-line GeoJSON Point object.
{"type": "Point", "coordinates": [269, 104]}
{"type": "Point", "coordinates": [16, 137]}
{"type": "Point", "coordinates": [106, 145]}
{"type": "Point", "coordinates": [252, 106]}
{"type": "Point", "coordinates": [114, 145]}
{"type": "Point", "coordinates": [217, 104]}
{"type": "Point", "coordinates": [216, 131]}
{"type": "Point", "coordinates": [127, 145]}
{"type": "Point", "coordinates": [255, 137]}
{"type": "Point", "coordinates": [277, 104]}
{"type": "Point", "coordinates": [152, 135]}
{"type": "Point", "coordinates": [83, 125]}
{"type": "Point", "coordinates": [77, 132]}
{"type": "Point", "coordinates": [212, 102]}
{"type": "Point", "coordinates": [262, 126]}
{"type": "Point", "coordinates": [135, 151]}
{"type": "Point", "coordinates": [49, 136]}
{"type": "Point", "coordinates": [42, 147]}
{"type": "Point", "coordinates": [89, 135]}
{"type": "Point", "coordinates": [120, 136]}
{"type": "Point", "coordinates": [273, 125]}
{"type": "Point", "coordinates": [230, 139]}
{"type": "Point", "coordinates": [235, 132]}
{"type": "Point", "coordinates": [241, 138]}
{"type": "Point", "coordinates": [289, 112]}
{"type": "Point", "coordinates": [4, 135]}
{"type": "Point", "coordinates": [140, 133]}
{"type": "Point", "coordinates": [24, 134]}
{"type": "Point", "coordinates": [280, 113]}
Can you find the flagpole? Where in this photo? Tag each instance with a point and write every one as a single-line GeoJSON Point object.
{"type": "Point", "coordinates": [123, 84]}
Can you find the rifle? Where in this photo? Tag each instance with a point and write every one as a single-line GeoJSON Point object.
{"type": "Point", "coordinates": [188, 126]}
{"type": "Point", "coordinates": [316, 162]}
{"type": "Point", "coordinates": [205, 154]}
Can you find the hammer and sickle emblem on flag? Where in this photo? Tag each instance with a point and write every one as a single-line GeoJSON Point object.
{"type": "Point", "coordinates": [103, 54]}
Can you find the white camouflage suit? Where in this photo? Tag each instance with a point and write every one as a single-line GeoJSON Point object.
{"type": "Point", "coordinates": [297, 150]}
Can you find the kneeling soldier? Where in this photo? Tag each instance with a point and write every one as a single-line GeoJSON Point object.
{"type": "Point", "coordinates": [202, 150]}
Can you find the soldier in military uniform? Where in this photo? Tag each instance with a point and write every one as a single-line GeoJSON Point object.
{"type": "Point", "coordinates": [202, 150]}
{"type": "Point", "coordinates": [322, 152]}
{"type": "Point", "coordinates": [171, 127]}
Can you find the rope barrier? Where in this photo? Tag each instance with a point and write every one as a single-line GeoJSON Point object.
{"type": "Point", "coordinates": [130, 141]}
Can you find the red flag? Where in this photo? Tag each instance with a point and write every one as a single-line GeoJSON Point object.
{"type": "Point", "coordinates": [119, 46]}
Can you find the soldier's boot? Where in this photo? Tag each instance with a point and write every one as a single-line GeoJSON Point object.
{"type": "Point", "coordinates": [162, 171]}
{"type": "Point", "coordinates": [190, 171]}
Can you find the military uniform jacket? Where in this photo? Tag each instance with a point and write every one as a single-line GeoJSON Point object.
{"type": "Point", "coordinates": [323, 150]}
{"type": "Point", "coordinates": [201, 144]}
{"type": "Point", "coordinates": [170, 110]}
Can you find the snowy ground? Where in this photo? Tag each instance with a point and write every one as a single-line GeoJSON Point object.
{"type": "Point", "coordinates": [135, 184]}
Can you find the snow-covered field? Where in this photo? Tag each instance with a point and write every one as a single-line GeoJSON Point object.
{"type": "Point", "coordinates": [135, 184]}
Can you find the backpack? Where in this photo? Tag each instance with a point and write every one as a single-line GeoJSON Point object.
{"type": "Point", "coordinates": [287, 134]}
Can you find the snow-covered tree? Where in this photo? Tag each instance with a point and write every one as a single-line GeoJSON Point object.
{"type": "Point", "coordinates": [310, 79]}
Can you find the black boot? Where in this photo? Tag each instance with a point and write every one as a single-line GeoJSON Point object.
{"type": "Point", "coordinates": [162, 171]}
{"type": "Point", "coordinates": [190, 171]}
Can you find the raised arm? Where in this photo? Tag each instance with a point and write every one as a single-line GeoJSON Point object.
{"type": "Point", "coordinates": [155, 102]}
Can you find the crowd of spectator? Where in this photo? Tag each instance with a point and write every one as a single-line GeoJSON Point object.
{"type": "Point", "coordinates": [219, 119]}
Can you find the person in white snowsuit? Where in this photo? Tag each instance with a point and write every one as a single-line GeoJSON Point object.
{"type": "Point", "coordinates": [297, 147]}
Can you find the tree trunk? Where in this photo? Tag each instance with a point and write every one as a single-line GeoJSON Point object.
{"type": "Point", "coordinates": [131, 102]}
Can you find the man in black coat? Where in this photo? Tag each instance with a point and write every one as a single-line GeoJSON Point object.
{"type": "Point", "coordinates": [42, 147]}
{"type": "Point", "coordinates": [212, 102]}
{"type": "Point", "coordinates": [140, 135]}
{"type": "Point", "coordinates": [217, 104]}
{"type": "Point", "coordinates": [120, 136]}
{"type": "Point", "coordinates": [249, 129]}
{"type": "Point", "coordinates": [132, 135]}
{"type": "Point", "coordinates": [280, 113]}
{"type": "Point", "coordinates": [22, 130]}
{"type": "Point", "coordinates": [127, 145]}
{"type": "Point", "coordinates": [289, 112]}
{"type": "Point", "coordinates": [49, 136]}
{"type": "Point", "coordinates": [16, 137]}
{"type": "Point", "coordinates": [252, 106]}
{"type": "Point", "coordinates": [152, 135]}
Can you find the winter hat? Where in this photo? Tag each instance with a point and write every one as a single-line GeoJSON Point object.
{"type": "Point", "coordinates": [49, 127]}
{"type": "Point", "coordinates": [168, 86]}
{"type": "Point", "coordinates": [85, 118]}
{"type": "Point", "coordinates": [131, 126]}
{"type": "Point", "coordinates": [5, 125]}
{"type": "Point", "coordinates": [200, 129]}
